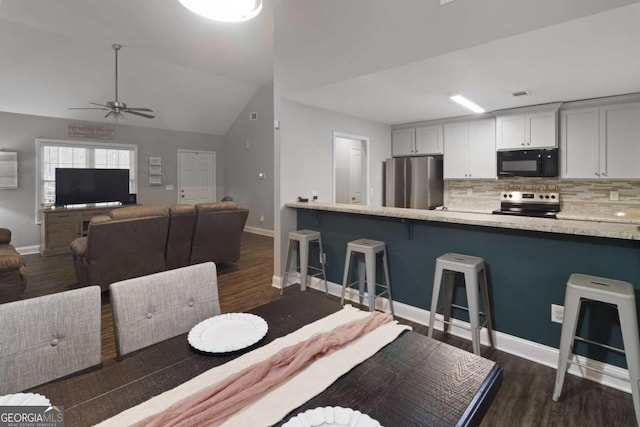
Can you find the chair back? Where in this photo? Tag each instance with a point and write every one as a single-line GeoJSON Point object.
{"type": "Point", "coordinates": [129, 243]}
{"type": "Point", "coordinates": [181, 224]}
{"type": "Point", "coordinates": [153, 308]}
{"type": "Point", "coordinates": [218, 232]}
{"type": "Point", "coordinates": [49, 337]}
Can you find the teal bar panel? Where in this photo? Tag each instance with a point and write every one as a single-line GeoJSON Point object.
{"type": "Point", "coordinates": [527, 271]}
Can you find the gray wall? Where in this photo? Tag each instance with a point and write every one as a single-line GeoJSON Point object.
{"type": "Point", "coordinates": [244, 163]}
{"type": "Point", "coordinates": [304, 160]}
{"type": "Point", "coordinates": [19, 132]}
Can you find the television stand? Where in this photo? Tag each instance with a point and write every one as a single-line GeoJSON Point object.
{"type": "Point", "coordinates": [62, 225]}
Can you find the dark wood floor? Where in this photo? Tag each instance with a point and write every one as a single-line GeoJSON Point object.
{"type": "Point", "coordinates": [523, 400]}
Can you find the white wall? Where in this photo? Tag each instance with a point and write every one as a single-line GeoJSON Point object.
{"type": "Point", "coordinates": [244, 164]}
{"type": "Point", "coordinates": [304, 160]}
{"type": "Point", "coordinates": [19, 132]}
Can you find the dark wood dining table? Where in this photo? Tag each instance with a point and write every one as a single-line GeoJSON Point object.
{"type": "Point", "coordinates": [414, 381]}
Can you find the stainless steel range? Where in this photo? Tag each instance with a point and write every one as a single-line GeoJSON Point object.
{"type": "Point", "coordinates": [529, 203]}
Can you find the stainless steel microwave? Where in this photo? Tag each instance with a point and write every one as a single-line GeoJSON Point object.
{"type": "Point", "coordinates": [528, 163]}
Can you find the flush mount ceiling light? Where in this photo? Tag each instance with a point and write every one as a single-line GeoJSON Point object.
{"type": "Point", "coordinates": [456, 97]}
{"type": "Point", "coordinates": [225, 10]}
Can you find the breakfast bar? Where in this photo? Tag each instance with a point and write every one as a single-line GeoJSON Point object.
{"type": "Point", "coordinates": [528, 262]}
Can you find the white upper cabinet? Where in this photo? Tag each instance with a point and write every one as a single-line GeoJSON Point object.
{"type": "Point", "coordinates": [429, 139]}
{"type": "Point", "coordinates": [620, 141]}
{"type": "Point", "coordinates": [403, 142]}
{"type": "Point", "coordinates": [536, 129]}
{"type": "Point", "coordinates": [417, 141]}
{"type": "Point", "coordinates": [580, 143]}
{"type": "Point", "coordinates": [601, 142]}
{"type": "Point", "coordinates": [470, 150]}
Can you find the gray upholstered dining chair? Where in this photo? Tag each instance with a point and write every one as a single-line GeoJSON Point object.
{"type": "Point", "coordinates": [153, 308]}
{"type": "Point", "coordinates": [49, 337]}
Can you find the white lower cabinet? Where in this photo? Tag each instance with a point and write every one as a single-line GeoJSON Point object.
{"type": "Point", "coordinates": [470, 150]}
{"type": "Point", "coordinates": [601, 142]}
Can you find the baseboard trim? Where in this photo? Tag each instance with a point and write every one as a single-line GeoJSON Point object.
{"type": "Point", "coordinates": [260, 231]}
{"type": "Point", "coordinates": [28, 250]}
{"type": "Point", "coordinates": [529, 350]}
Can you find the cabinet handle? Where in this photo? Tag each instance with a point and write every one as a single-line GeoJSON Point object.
{"type": "Point", "coordinates": [528, 143]}
{"type": "Point", "coordinates": [604, 174]}
{"type": "Point", "coordinates": [597, 174]}
{"type": "Point", "coordinates": [522, 143]}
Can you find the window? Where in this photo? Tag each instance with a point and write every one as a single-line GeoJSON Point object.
{"type": "Point", "coordinates": [52, 154]}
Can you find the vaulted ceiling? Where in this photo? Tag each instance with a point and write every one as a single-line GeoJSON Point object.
{"type": "Point", "coordinates": [387, 61]}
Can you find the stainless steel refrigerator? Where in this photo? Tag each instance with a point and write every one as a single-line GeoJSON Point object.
{"type": "Point", "coordinates": [413, 182]}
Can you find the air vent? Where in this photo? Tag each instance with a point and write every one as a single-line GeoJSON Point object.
{"type": "Point", "coordinates": [520, 93]}
{"type": "Point", "coordinates": [253, 116]}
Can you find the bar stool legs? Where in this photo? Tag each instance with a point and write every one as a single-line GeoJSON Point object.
{"type": "Point", "coordinates": [475, 283]}
{"type": "Point", "coordinates": [299, 241]}
{"type": "Point", "coordinates": [614, 292]}
{"type": "Point", "coordinates": [367, 252]}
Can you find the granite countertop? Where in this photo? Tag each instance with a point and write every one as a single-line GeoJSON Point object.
{"type": "Point", "coordinates": [570, 224]}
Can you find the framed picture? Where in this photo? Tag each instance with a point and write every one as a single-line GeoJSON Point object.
{"type": "Point", "coordinates": [8, 170]}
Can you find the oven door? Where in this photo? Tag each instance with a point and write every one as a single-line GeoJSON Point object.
{"type": "Point", "coordinates": [520, 163]}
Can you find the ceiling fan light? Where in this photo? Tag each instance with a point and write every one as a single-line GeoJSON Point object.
{"type": "Point", "coordinates": [225, 10]}
{"type": "Point", "coordinates": [465, 102]}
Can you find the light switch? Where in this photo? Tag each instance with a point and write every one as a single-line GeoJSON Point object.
{"type": "Point", "coordinates": [247, 146]}
{"type": "Point", "coordinates": [169, 187]}
{"type": "Point", "coordinates": [614, 195]}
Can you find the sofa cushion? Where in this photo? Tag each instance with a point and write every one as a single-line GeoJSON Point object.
{"type": "Point", "coordinates": [139, 212]}
{"type": "Point", "coordinates": [99, 219]}
{"type": "Point", "coordinates": [5, 236]}
{"type": "Point", "coordinates": [216, 206]}
{"type": "Point", "coordinates": [10, 259]}
{"type": "Point", "coordinates": [79, 245]}
{"type": "Point", "coordinates": [182, 210]}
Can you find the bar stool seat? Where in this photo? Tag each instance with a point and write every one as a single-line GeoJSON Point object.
{"type": "Point", "coordinates": [300, 241]}
{"type": "Point", "coordinates": [613, 292]}
{"type": "Point", "coordinates": [475, 280]}
{"type": "Point", "coordinates": [367, 252]}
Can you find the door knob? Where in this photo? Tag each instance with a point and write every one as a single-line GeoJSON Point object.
{"type": "Point", "coordinates": [182, 196]}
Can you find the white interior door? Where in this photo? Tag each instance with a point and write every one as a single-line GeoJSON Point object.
{"type": "Point", "coordinates": [355, 175]}
{"type": "Point", "coordinates": [197, 176]}
{"type": "Point", "coordinates": [350, 168]}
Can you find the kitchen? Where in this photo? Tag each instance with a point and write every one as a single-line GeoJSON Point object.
{"type": "Point", "coordinates": [530, 261]}
{"type": "Point", "coordinates": [586, 219]}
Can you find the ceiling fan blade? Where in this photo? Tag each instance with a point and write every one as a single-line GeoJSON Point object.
{"type": "Point", "coordinates": [87, 108]}
{"type": "Point", "coordinates": [108, 114]}
{"type": "Point", "coordinates": [140, 109]}
{"type": "Point", "coordinates": [148, 116]}
{"type": "Point", "coordinates": [101, 105]}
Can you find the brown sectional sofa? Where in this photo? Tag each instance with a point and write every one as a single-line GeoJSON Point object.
{"type": "Point", "coordinates": [139, 240]}
{"type": "Point", "coordinates": [13, 271]}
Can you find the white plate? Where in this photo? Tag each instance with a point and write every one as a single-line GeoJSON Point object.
{"type": "Point", "coordinates": [228, 332]}
{"type": "Point", "coordinates": [331, 416]}
{"type": "Point", "coordinates": [24, 399]}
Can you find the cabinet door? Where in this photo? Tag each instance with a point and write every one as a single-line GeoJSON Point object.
{"type": "Point", "coordinates": [455, 151]}
{"type": "Point", "coordinates": [620, 141]}
{"type": "Point", "coordinates": [481, 137]}
{"type": "Point", "coordinates": [403, 142]}
{"type": "Point", "coordinates": [429, 139]}
{"type": "Point", "coordinates": [510, 132]}
{"type": "Point", "coordinates": [541, 130]}
{"type": "Point", "coordinates": [579, 143]}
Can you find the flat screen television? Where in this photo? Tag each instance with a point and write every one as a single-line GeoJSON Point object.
{"type": "Point", "coordinates": [82, 186]}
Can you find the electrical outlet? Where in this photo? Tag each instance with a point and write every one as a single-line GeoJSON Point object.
{"type": "Point", "coordinates": [261, 219]}
{"type": "Point", "coordinates": [614, 195]}
{"type": "Point", "coordinates": [557, 313]}
{"type": "Point", "coordinates": [315, 193]}
{"type": "Point", "coordinates": [469, 191]}
{"type": "Point", "coordinates": [323, 258]}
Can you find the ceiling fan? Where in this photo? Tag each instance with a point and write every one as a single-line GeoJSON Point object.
{"type": "Point", "coordinates": [116, 109]}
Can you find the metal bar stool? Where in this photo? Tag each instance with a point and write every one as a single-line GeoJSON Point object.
{"type": "Point", "coordinates": [475, 280]}
{"type": "Point", "coordinates": [302, 239]}
{"type": "Point", "coordinates": [367, 252]}
{"type": "Point", "coordinates": [616, 293]}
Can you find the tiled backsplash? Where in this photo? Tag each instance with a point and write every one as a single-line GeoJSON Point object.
{"type": "Point", "coordinates": [583, 197]}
